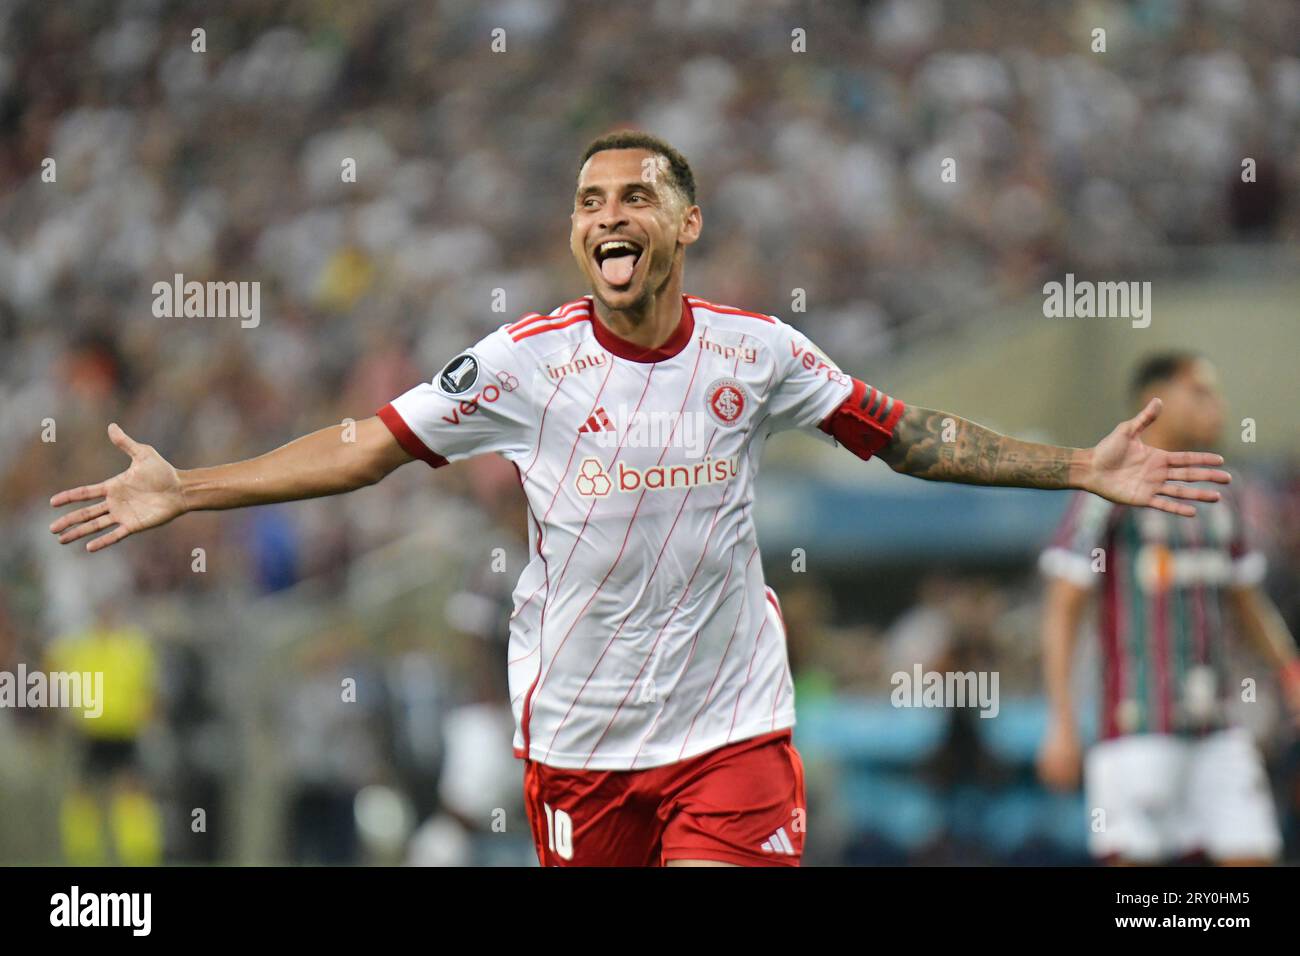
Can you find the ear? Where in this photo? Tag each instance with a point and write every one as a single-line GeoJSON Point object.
{"type": "Point", "coordinates": [692, 224]}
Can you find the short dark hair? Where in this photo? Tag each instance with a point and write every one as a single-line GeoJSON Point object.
{"type": "Point", "coordinates": [1159, 367]}
{"type": "Point", "coordinates": [678, 168]}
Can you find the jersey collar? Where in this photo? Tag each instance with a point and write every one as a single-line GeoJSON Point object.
{"type": "Point", "coordinates": [635, 353]}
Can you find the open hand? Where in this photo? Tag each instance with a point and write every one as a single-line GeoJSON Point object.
{"type": "Point", "coordinates": [1126, 471]}
{"type": "Point", "coordinates": [146, 495]}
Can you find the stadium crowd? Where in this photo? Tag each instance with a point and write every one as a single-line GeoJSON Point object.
{"type": "Point", "coordinates": [818, 171]}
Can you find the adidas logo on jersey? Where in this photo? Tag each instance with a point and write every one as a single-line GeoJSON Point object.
{"type": "Point", "coordinates": [778, 842]}
{"type": "Point", "coordinates": [598, 421]}
{"type": "Point", "coordinates": [637, 428]}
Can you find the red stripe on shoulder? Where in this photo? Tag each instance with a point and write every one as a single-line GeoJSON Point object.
{"type": "Point", "coordinates": [532, 318]}
{"type": "Point", "coordinates": [539, 329]}
{"type": "Point", "coordinates": [727, 309]}
{"type": "Point", "coordinates": [570, 306]}
{"type": "Point", "coordinates": [525, 320]}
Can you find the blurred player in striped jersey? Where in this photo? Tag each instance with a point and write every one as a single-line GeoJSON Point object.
{"type": "Point", "coordinates": [1169, 774]}
{"type": "Point", "coordinates": [648, 670]}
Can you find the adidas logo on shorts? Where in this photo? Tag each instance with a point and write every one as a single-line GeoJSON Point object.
{"type": "Point", "coordinates": [778, 842]}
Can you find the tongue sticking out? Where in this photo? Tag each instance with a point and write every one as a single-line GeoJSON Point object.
{"type": "Point", "coordinates": [617, 270]}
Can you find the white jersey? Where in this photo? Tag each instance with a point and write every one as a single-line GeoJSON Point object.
{"type": "Point", "coordinates": [643, 632]}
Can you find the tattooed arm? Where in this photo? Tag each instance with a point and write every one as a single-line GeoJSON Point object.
{"type": "Point", "coordinates": [942, 447]}
{"type": "Point", "coordinates": [939, 446]}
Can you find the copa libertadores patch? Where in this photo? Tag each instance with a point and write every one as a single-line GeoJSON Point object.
{"type": "Point", "coordinates": [460, 374]}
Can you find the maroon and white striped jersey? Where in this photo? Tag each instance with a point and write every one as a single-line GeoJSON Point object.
{"type": "Point", "coordinates": [1162, 621]}
{"type": "Point", "coordinates": [643, 632]}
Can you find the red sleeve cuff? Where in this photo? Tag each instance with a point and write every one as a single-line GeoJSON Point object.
{"type": "Point", "coordinates": [409, 441]}
{"type": "Point", "coordinates": [864, 422]}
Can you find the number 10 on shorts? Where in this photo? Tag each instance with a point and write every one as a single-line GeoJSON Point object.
{"type": "Point", "coordinates": [559, 832]}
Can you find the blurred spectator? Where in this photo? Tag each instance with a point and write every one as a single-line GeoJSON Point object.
{"type": "Point", "coordinates": [109, 816]}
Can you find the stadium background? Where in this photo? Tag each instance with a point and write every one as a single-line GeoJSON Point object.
{"type": "Point", "coordinates": [818, 171]}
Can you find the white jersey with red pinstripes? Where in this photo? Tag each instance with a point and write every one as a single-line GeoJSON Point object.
{"type": "Point", "coordinates": [643, 632]}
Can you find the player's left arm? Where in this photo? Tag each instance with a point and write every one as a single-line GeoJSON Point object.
{"type": "Point", "coordinates": [1266, 631]}
{"type": "Point", "coordinates": [940, 446]}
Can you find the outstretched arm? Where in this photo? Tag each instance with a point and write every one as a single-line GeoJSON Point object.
{"type": "Point", "coordinates": [939, 446]}
{"type": "Point", "coordinates": [151, 492]}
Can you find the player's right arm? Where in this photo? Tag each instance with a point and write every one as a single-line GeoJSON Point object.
{"type": "Point", "coordinates": [1060, 756]}
{"type": "Point", "coordinates": [150, 492]}
{"type": "Point", "coordinates": [478, 403]}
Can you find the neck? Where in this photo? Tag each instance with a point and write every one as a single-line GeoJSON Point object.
{"type": "Point", "coordinates": [652, 321]}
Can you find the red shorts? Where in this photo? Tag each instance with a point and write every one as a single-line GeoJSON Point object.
{"type": "Point", "coordinates": [742, 803]}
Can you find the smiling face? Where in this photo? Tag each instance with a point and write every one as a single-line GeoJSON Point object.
{"type": "Point", "coordinates": [629, 226]}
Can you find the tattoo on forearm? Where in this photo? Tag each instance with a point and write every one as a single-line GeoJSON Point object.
{"type": "Point", "coordinates": [942, 447]}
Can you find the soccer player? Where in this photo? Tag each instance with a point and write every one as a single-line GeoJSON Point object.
{"type": "Point", "coordinates": [1169, 775]}
{"type": "Point", "coordinates": [648, 667]}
